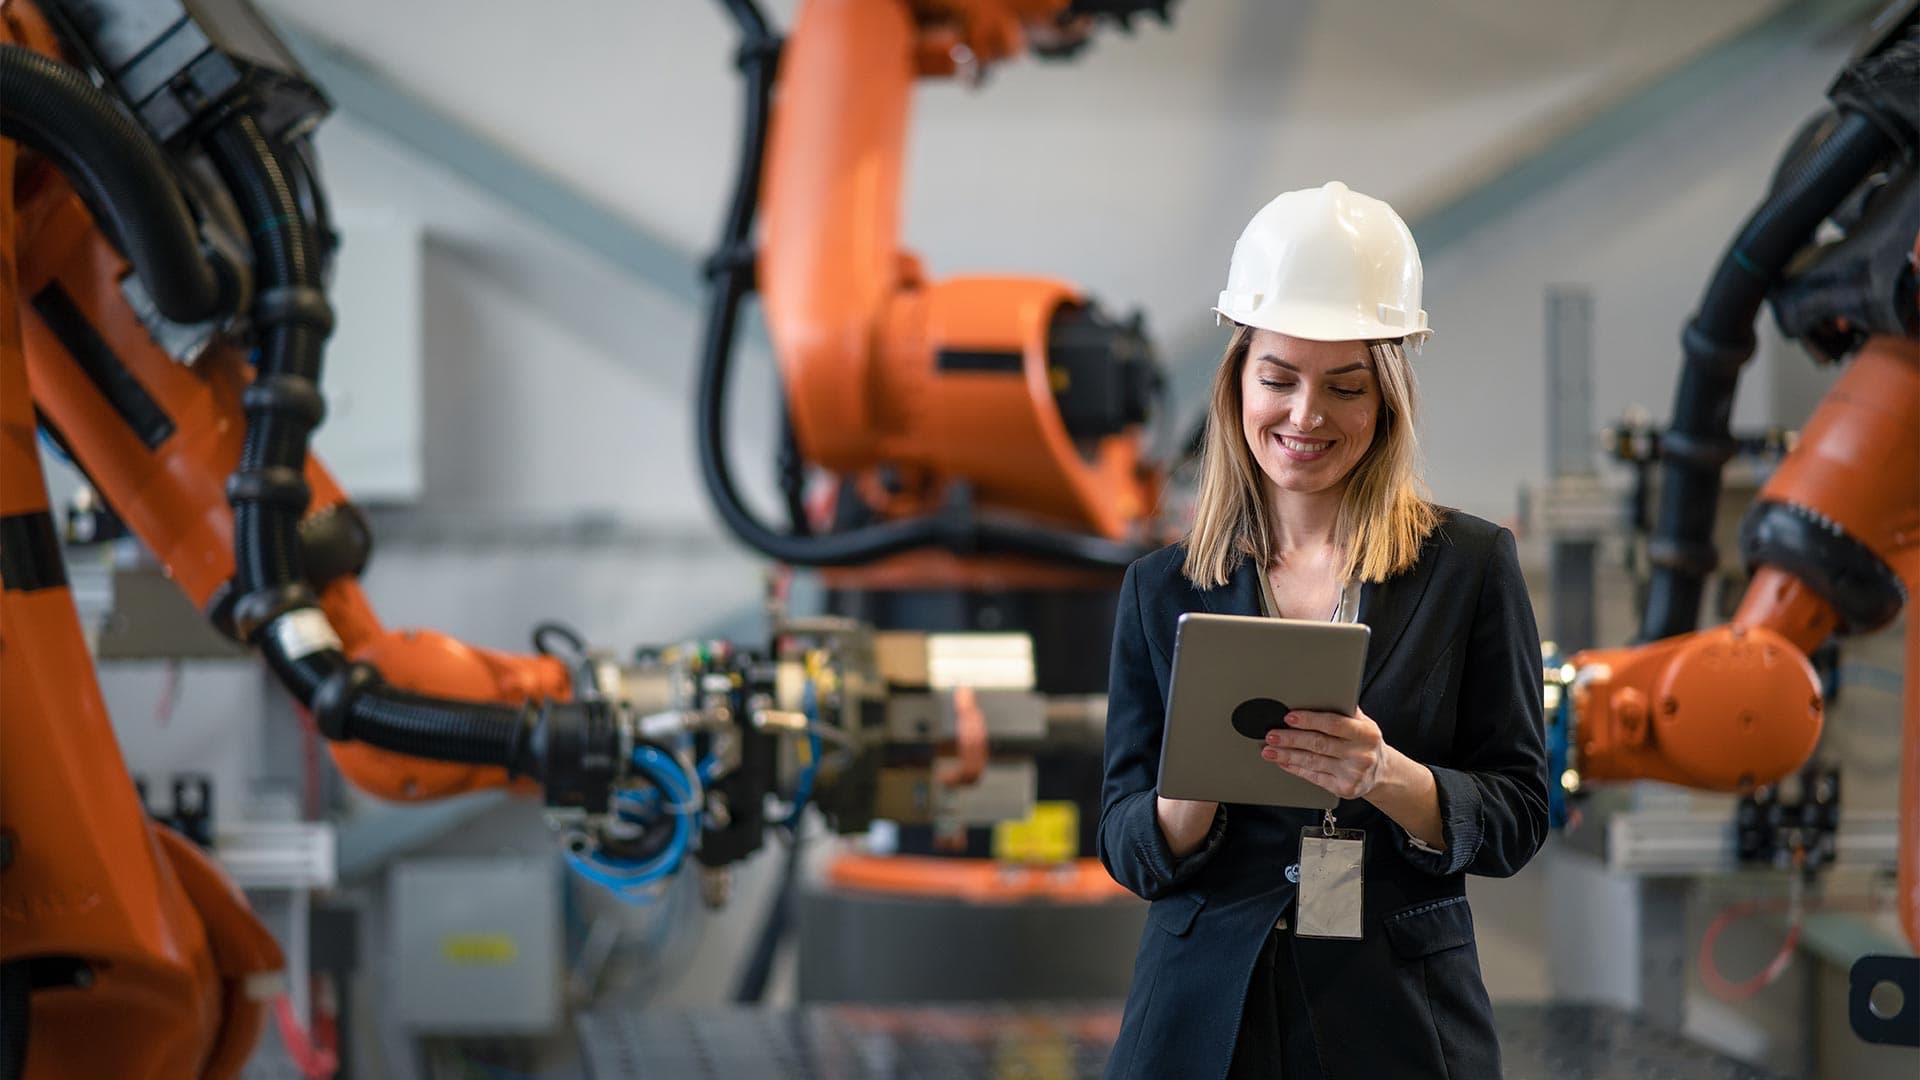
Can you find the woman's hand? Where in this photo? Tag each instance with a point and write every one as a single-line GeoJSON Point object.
{"type": "Point", "coordinates": [1347, 756]}
{"type": "Point", "coordinates": [1184, 822]}
{"type": "Point", "coordinates": [1344, 754]}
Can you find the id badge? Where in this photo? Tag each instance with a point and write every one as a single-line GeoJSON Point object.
{"type": "Point", "coordinates": [1330, 879]}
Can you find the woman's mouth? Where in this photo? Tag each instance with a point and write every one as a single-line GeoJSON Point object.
{"type": "Point", "coordinates": [1300, 449]}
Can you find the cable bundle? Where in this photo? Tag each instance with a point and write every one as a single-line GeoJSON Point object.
{"type": "Point", "coordinates": [676, 792]}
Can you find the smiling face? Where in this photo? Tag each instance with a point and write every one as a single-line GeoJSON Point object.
{"type": "Point", "coordinates": [1309, 410]}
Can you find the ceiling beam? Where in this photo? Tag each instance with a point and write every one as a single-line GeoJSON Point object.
{"type": "Point", "coordinates": [1590, 139]}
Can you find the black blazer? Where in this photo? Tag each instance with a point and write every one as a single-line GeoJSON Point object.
{"type": "Point", "coordinates": [1452, 677]}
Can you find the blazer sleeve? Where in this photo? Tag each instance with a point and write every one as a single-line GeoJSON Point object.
{"type": "Point", "coordinates": [1493, 791]}
{"type": "Point", "coordinates": [1130, 843]}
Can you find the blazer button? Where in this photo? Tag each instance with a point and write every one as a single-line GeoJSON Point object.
{"type": "Point", "coordinates": [1293, 873]}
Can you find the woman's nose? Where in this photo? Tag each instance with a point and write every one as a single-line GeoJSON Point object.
{"type": "Point", "coordinates": [1307, 414]}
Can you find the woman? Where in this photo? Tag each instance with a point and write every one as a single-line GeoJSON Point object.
{"type": "Point", "coordinates": [1311, 507]}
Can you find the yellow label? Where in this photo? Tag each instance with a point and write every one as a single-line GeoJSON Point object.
{"type": "Point", "coordinates": [1048, 1057]}
{"type": "Point", "coordinates": [479, 950]}
{"type": "Point", "coordinates": [1051, 834]}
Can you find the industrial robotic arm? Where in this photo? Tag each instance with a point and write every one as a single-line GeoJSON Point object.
{"type": "Point", "coordinates": [974, 416]}
{"type": "Point", "coordinates": [1834, 539]}
{"type": "Point", "coordinates": [120, 261]}
{"type": "Point", "coordinates": [152, 235]}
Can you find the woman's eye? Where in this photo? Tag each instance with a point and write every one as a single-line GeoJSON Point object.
{"type": "Point", "coordinates": [1344, 392]}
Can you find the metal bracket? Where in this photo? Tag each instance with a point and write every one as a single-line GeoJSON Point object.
{"type": "Point", "coordinates": [1883, 999]}
{"type": "Point", "coordinates": [1671, 843]}
{"type": "Point", "coordinates": [287, 855]}
{"type": "Point", "coordinates": [1783, 832]}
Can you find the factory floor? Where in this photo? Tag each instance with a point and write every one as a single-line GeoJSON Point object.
{"type": "Point", "coordinates": [864, 1042]}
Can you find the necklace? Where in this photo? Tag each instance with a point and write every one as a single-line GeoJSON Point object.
{"type": "Point", "coordinates": [1271, 598]}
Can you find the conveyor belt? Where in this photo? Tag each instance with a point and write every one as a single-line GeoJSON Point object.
{"type": "Point", "coordinates": [847, 1042]}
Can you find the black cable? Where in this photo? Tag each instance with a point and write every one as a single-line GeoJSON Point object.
{"type": "Point", "coordinates": [758, 970]}
{"type": "Point", "coordinates": [759, 58]}
{"type": "Point", "coordinates": [571, 748]}
{"type": "Point", "coordinates": [793, 477]}
{"type": "Point", "coordinates": [300, 160]}
{"type": "Point", "coordinates": [1718, 341]}
{"type": "Point", "coordinates": [567, 635]}
{"type": "Point", "coordinates": [349, 701]}
{"type": "Point", "coordinates": [121, 175]}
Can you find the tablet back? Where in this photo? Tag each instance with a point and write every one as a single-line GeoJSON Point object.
{"type": "Point", "coordinates": [1234, 677]}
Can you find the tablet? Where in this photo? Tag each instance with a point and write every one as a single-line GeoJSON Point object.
{"type": "Point", "coordinates": [1234, 677]}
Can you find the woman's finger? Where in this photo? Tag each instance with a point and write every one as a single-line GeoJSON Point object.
{"type": "Point", "coordinates": [1302, 758]}
{"type": "Point", "coordinates": [1313, 720]}
{"type": "Point", "coordinates": [1312, 741]}
{"type": "Point", "coordinates": [1335, 724]}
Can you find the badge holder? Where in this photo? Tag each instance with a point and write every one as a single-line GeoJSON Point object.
{"type": "Point", "coordinates": [1330, 881]}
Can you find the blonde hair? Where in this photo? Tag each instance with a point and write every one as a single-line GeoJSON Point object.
{"type": "Point", "coordinates": [1384, 516]}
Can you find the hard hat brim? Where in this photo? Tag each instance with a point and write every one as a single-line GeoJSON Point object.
{"type": "Point", "coordinates": [1322, 324]}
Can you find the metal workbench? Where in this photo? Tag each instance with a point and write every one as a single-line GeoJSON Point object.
{"type": "Point", "coordinates": [848, 1042]}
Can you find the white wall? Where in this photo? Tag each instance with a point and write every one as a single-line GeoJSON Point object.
{"type": "Point", "coordinates": [1129, 170]}
{"type": "Point", "coordinates": [1643, 228]}
{"type": "Point", "coordinates": [553, 381]}
{"type": "Point", "coordinates": [372, 438]}
{"type": "Point", "coordinates": [559, 472]}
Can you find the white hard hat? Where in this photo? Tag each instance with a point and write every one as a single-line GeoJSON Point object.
{"type": "Point", "coordinates": [1327, 264]}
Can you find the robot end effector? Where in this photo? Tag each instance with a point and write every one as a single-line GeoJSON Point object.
{"type": "Point", "coordinates": [1834, 540]}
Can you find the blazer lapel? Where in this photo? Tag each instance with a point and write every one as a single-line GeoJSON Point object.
{"type": "Point", "coordinates": [1239, 596]}
{"type": "Point", "coordinates": [1387, 607]}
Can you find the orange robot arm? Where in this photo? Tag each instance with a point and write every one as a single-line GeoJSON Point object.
{"type": "Point", "coordinates": [1834, 538]}
{"type": "Point", "coordinates": [127, 946]}
{"type": "Point", "coordinates": [1736, 706]}
{"type": "Point", "coordinates": [171, 491]}
{"type": "Point", "coordinates": [204, 456]}
{"type": "Point", "coordinates": [103, 914]}
{"type": "Point", "coordinates": [950, 378]}
{"type": "Point", "coordinates": [1014, 395]}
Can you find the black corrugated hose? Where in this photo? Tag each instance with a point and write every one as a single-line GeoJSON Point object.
{"type": "Point", "coordinates": [731, 275]}
{"type": "Point", "coordinates": [269, 493]}
{"type": "Point", "coordinates": [120, 174]}
{"type": "Point", "coordinates": [1718, 341]}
